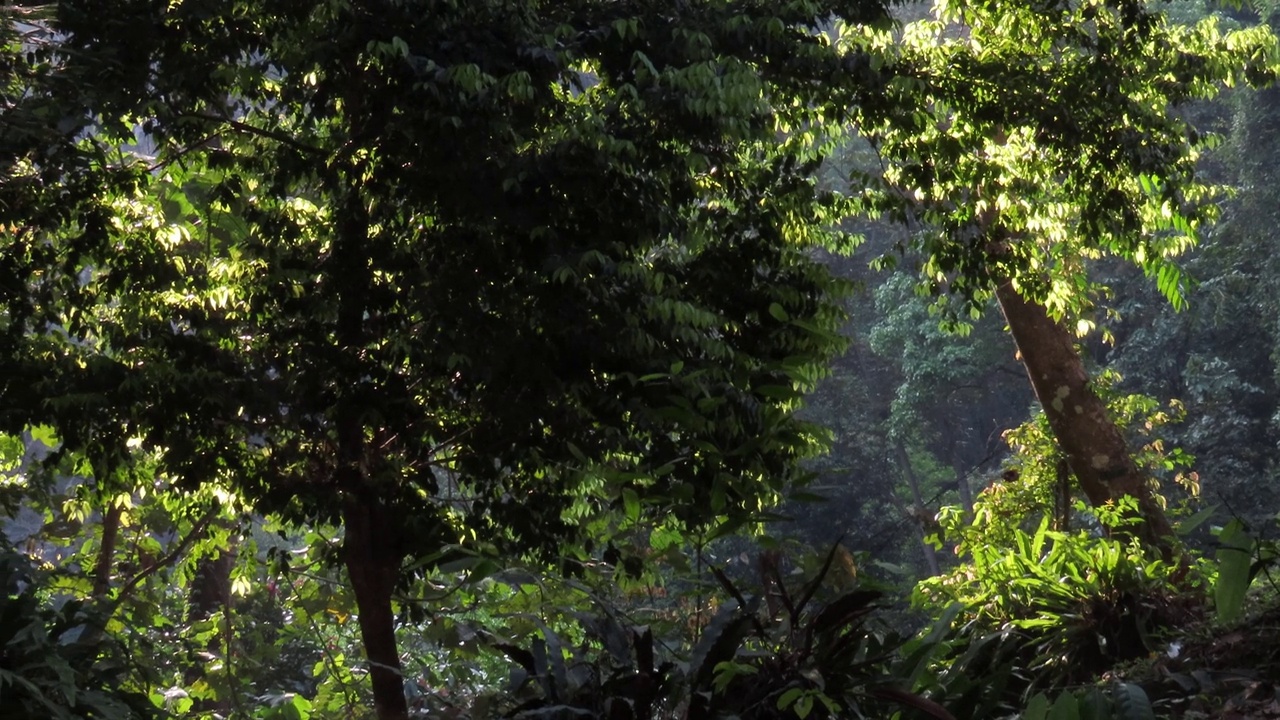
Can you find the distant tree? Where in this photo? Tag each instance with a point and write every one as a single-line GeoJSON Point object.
{"type": "Point", "coordinates": [952, 393]}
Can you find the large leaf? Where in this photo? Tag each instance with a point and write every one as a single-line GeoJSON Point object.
{"type": "Point", "coordinates": [1095, 705]}
{"type": "Point", "coordinates": [1037, 708]}
{"type": "Point", "coordinates": [1132, 703]}
{"type": "Point", "coordinates": [1234, 556]}
{"type": "Point", "coordinates": [720, 641]}
{"type": "Point", "coordinates": [918, 658]}
{"type": "Point", "coordinates": [1065, 708]}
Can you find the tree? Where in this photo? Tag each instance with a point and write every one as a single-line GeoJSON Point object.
{"type": "Point", "coordinates": [1046, 135]}
{"type": "Point", "coordinates": [457, 275]}
{"type": "Point", "coordinates": [1219, 356]}
{"type": "Point", "coordinates": [949, 393]}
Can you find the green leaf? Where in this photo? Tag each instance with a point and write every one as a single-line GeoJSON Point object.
{"type": "Point", "coordinates": [44, 434]}
{"type": "Point", "coordinates": [1235, 554]}
{"type": "Point", "coordinates": [1037, 708]}
{"type": "Point", "coordinates": [788, 698]}
{"type": "Point", "coordinates": [804, 706]}
{"type": "Point", "coordinates": [726, 671]}
{"type": "Point", "coordinates": [1188, 524]}
{"type": "Point", "coordinates": [1065, 708]}
{"type": "Point", "coordinates": [1132, 703]}
{"type": "Point", "coordinates": [778, 312]}
{"type": "Point", "coordinates": [631, 504]}
{"type": "Point", "coordinates": [917, 662]}
{"type": "Point", "coordinates": [1095, 705]}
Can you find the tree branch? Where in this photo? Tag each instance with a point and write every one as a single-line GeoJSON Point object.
{"type": "Point", "coordinates": [168, 559]}
{"type": "Point", "coordinates": [248, 129]}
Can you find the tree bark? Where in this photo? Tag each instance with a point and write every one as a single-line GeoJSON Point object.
{"type": "Point", "coordinates": [103, 564]}
{"type": "Point", "coordinates": [107, 550]}
{"type": "Point", "coordinates": [370, 552]}
{"type": "Point", "coordinates": [1094, 447]}
{"type": "Point", "coordinates": [211, 592]}
{"type": "Point", "coordinates": [962, 471]}
{"type": "Point", "coordinates": [962, 488]}
{"type": "Point", "coordinates": [371, 546]}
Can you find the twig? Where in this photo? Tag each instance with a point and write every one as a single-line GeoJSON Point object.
{"type": "Point", "coordinates": [168, 559]}
{"type": "Point", "coordinates": [46, 10]}
{"type": "Point", "coordinates": [248, 129]}
{"type": "Point", "coordinates": [204, 142]}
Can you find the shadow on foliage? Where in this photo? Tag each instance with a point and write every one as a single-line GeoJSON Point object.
{"type": "Point", "coordinates": [55, 663]}
{"type": "Point", "coordinates": [780, 654]}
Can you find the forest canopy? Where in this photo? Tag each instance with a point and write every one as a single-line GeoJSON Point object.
{"type": "Point", "coordinates": [358, 355]}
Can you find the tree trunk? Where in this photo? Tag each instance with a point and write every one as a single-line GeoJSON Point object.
{"type": "Point", "coordinates": [962, 488]}
{"type": "Point", "coordinates": [930, 554]}
{"type": "Point", "coordinates": [962, 471]}
{"type": "Point", "coordinates": [211, 592]}
{"type": "Point", "coordinates": [370, 551]}
{"type": "Point", "coordinates": [103, 564]}
{"type": "Point", "coordinates": [107, 550]}
{"type": "Point", "coordinates": [211, 586]}
{"type": "Point", "coordinates": [371, 543]}
{"type": "Point", "coordinates": [1094, 447]}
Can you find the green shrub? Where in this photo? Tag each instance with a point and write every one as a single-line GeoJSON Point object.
{"type": "Point", "coordinates": [53, 664]}
{"type": "Point", "coordinates": [810, 659]}
{"type": "Point", "coordinates": [1080, 603]}
{"type": "Point", "coordinates": [1044, 597]}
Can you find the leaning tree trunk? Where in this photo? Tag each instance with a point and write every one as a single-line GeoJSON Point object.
{"type": "Point", "coordinates": [112, 516]}
{"type": "Point", "coordinates": [1093, 445]}
{"type": "Point", "coordinates": [107, 550]}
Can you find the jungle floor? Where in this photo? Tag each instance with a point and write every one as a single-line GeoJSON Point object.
{"type": "Point", "coordinates": [1215, 671]}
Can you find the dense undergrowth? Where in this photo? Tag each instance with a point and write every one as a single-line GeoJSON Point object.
{"type": "Point", "coordinates": [1049, 611]}
{"type": "Point", "coordinates": [1045, 618]}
